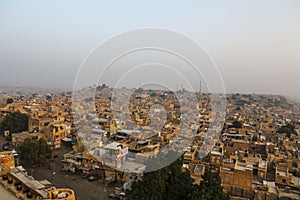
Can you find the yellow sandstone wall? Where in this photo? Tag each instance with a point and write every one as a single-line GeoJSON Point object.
{"type": "Point", "coordinates": [7, 161]}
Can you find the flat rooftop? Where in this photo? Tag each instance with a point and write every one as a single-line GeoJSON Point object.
{"type": "Point", "coordinates": [30, 183]}
{"type": "Point", "coordinates": [113, 145]}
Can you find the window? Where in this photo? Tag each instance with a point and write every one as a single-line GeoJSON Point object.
{"type": "Point", "coordinates": [284, 180]}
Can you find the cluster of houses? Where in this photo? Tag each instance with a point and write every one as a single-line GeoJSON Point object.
{"type": "Point", "coordinates": [49, 116]}
{"type": "Point", "coordinates": [254, 160]}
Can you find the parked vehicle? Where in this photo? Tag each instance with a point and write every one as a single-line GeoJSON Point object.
{"type": "Point", "coordinates": [120, 196]}
{"type": "Point", "coordinates": [92, 178]}
{"type": "Point", "coordinates": [120, 193]}
{"type": "Point", "coordinates": [16, 155]}
{"type": "Point", "coordinates": [5, 146]}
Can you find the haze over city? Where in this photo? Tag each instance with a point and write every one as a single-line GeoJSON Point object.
{"type": "Point", "coordinates": [255, 45]}
{"type": "Point", "coordinates": [151, 100]}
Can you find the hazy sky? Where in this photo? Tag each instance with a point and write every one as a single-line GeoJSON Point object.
{"type": "Point", "coordinates": [255, 44]}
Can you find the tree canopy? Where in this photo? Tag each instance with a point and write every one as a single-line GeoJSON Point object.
{"type": "Point", "coordinates": [236, 124]}
{"type": "Point", "coordinates": [35, 151]}
{"type": "Point", "coordinates": [14, 122]}
{"type": "Point", "coordinates": [288, 129]}
{"type": "Point", "coordinates": [170, 183]}
{"type": "Point", "coordinates": [9, 101]}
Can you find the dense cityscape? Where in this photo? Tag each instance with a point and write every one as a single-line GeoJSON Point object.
{"type": "Point", "coordinates": [149, 100]}
{"type": "Point", "coordinates": [45, 155]}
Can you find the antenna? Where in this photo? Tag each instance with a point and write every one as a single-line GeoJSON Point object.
{"type": "Point", "coordinates": [200, 95]}
{"type": "Point", "coordinates": [200, 89]}
{"type": "Point", "coordinates": [16, 88]}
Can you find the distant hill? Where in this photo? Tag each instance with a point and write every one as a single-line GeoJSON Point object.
{"type": "Point", "coordinates": [294, 99]}
{"type": "Point", "coordinates": [29, 90]}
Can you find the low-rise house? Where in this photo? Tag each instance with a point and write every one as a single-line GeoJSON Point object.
{"type": "Point", "coordinates": [7, 162]}
{"type": "Point", "coordinates": [19, 138]}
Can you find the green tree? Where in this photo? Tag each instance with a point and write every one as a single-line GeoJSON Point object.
{"type": "Point", "coordinates": [170, 183]}
{"type": "Point", "coordinates": [9, 101]}
{"type": "Point", "coordinates": [237, 124]}
{"type": "Point", "coordinates": [178, 184]}
{"type": "Point", "coordinates": [153, 185]}
{"type": "Point", "coordinates": [211, 188]}
{"type": "Point", "coordinates": [288, 129]}
{"type": "Point", "coordinates": [35, 151]}
{"type": "Point", "coordinates": [14, 122]}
